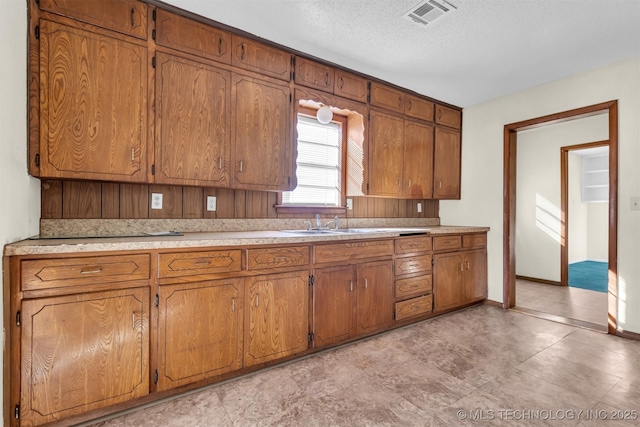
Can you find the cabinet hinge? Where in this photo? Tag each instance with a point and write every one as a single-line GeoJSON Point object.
{"type": "Point", "coordinates": [153, 34]}
{"type": "Point", "coordinates": [155, 376]}
{"type": "Point", "coordinates": [367, 188]}
{"type": "Point", "coordinates": [16, 412]}
{"type": "Point", "coordinates": [153, 62]}
{"type": "Point", "coordinates": [311, 336]}
{"type": "Point", "coordinates": [37, 31]}
{"type": "Point", "coordinates": [393, 315]}
{"type": "Point", "coordinates": [153, 15]}
{"type": "Point", "coordinates": [312, 280]}
{"type": "Point", "coordinates": [153, 169]}
{"type": "Point", "coordinates": [290, 98]}
{"type": "Point", "coordinates": [368, 92]}
{"type": "Point", "coordinates": [37, 159]}
{"type": "Point", "coordinates": [18, 319]}
{"type": "Point", "coordinates": [157, 300]}
{"type": "Point", "coordinates": [288, 180]}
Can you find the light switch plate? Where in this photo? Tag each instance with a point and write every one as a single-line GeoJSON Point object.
{"type": "Point", "coordinates": [211, 203]}
{"type": "Point", "coordinates": [349, 203]}
{"type": "Point", "coordinates": [635, 203]}
{"type": "Point", "coordinates": [156, 200]}
{"type": "Point", "coordinates": [419, 207]}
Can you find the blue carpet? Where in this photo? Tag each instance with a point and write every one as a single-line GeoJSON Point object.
{"type": "Point", "coordinates": [590, 275]}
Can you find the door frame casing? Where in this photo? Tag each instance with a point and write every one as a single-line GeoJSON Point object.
{"type": "Point", "coordinates": [509, 199]}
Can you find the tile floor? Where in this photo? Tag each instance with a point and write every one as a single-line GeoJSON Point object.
{"type": "Point", "coordinates": [565, 301]}
{"type": "Point", "coordinates": [494, 365]}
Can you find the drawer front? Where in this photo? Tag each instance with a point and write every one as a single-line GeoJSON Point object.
{"type": "Point", "coordinates": [418, 108]}
{"type": "Point", "coordinates": [312, 74]}
{"type": "Point", "coordinates": [193, 37]}
{"type": "Point", "coordinates": [63, 272]}
{"type": "Point", "coordinates": [442, 243]}
{"type": "Point", "coordinates": [409, 245]}
{"type": "Point", "coordinates": [263, 59]}
{"type": "Point", "coordinates": [125, 16]}
{"type": "Point", "coordinates": [413, 286]}
{"type": "Point", "coordinates": [387, 97]}
{"type": "Point", "coordinates": [413, 264]}
{"type": "Point", "coordinates": [353, 251]}
{"type": "Point", "coordinates": [258, 259]}
{"type": "Point", "coordinates": [414, 307]}
{"type": "Point", "coordinates": [474, 241]}
{"type": "Point", "coordinates": [193, 263]}
{"type": "Point", "coordinates": [350, 86]}
{"type": "Point", "coordinates": [448, 117]}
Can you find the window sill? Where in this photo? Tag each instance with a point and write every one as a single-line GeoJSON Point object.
{"type": "Point", "coordinates": [311, 210]}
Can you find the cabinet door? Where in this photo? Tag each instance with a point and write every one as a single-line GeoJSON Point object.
{"type": "Point", "coordinates": [418, 161]}
{"type": "Point", "coordinates": [261, 134]}
{"type": "Point", "coordinates": [192, 122]}
{"type": "Point", "coordinates": [385, 155]}
{"type": "Point", "coordinates": [260, 58]}
{"type": "Point", "coordinates": [83, 352]}
{"type": "Point", "coordinates": [350, 86]}
{"type": "Point", "coordinates": [93, 105]}
{"type": "Point", "coordinates": [418, 108]}
{"type": "Point", "coordinates": [447, 281]}
{"type": "Point", "coordinates": [446, 164]}
{"type": "Point", "coordinates": [334, 305]}
{"type": "Point", "coordinates": [375, 296]}
{"type": "Point", "coordinates": [313, 74]}
{"type": "Point", "coordinates": [199, 331]}
{"type": "Point", "coordinates": [277, 316]}
{"type": "Point", "coordinates": [387, 97]}
{"type": "Point", "coordinates": [448, 117]}
{"type": "Point", "coordinates": [475, 275]}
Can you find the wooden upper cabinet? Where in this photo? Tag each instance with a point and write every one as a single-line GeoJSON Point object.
{"type": "Point", "coordinates": [263, 59]}
{"type": "Point", "coordinates": [385, 155]}
{"type": "Point", "coordinates": [315, 75]}
{"type": "Point", "coordinates": [124, 16]}
{"type": "Point", "coordinates": [83, 352]}
{"type": "Point", "coordinates": [387, 97]}
{"type": "Point", "coordinates": [446, 173]}
{"type": "Point", "coordinates": [350, 86]}
{"type": "Point", "coordinates": [192, 122]}
{"type": "Point", "coordinates": [418, 108]}
{"type": "Point", "coordinates": [418, 161]}
{"type": "Point", "coordinates": [262, 149]}
{"type": "Point", "coordinates": [193, 37]}
{"type": "Point", "coordinates": [448, 117]}
{"type": "Point", "coordinates": [93, 105]}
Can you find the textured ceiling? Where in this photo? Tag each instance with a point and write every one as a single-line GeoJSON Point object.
{"type": "Point", "coordinates": [483, 50]}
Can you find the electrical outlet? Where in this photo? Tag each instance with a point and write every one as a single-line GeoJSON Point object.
{"type": "Point", "coordinates": [211, 203]}
{"type": "Point", "coordinates": [349, 203]}
{"type": "Point", "coordinates": [156, 200]}
{"type": "Point", "coordinates": [635, 203]}
{"type": "Point", "coordinates": [419, 207]}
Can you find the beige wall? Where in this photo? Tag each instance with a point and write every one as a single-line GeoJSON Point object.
{"type": "Point", "coordinates": [597, 231]}
{"type": "Point", "coordinates": [482, 167]}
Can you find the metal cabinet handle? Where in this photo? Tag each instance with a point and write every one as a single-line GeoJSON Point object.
{"type": "Point", "coordinates": [461, 267]}
{"type": "Point", "coordinates": [440, 184]}
{"type": "Point", "coordinates": [220, 163]}
{"type": "Point", "coordinates": [257, 300]}
{"type": "Point", "coordinates": [366, 283]}
{"type": "Point", "coordinates": [133, 17]}
{"type": "Point", "coordinates": [233, 305]}
{"type": "Point", "coordinates": [341, 83]}
{"type": "Point", "coordinates": [468, 265]}
{"type": "Point", "coordinates": [94, 271]}
{"type": "Point", "coordinates": [241, 166]}
{"type": "Point", "coordinates": [220, 46]}
{"type": "Point", "coordinates": [409, 105]}
{"type": "Point", "coordinates": [399, 101]}
{"type": "Point", "coordinates": [350, 285]}
{"type": "Point", "coordinates": [242, 52]}
{"type": "Point", "coordinates": [409, 182]}
{"type": "Point", "coordinates": [133, 154]}
{"type": "Point", "coordinates": [326, 79]}
{"type": "Point", "coordinates": [398, 181]}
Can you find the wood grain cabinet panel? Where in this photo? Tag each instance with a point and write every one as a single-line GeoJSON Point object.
{"type": "Point", "coordinates": [413, 264]}
{"type": "Point", "coordinates": [350, 86]}
{"type": "Point", "coordinates": [413, 307]}
{"type": "Point", "coordinates": [417, 176]}
{"type": "Point", "coordinates": [315, 75]}
{"type": "Point", "coordinates": [276, 316]}
{"type": "Point", "coordinates": [448, 117]}
{"type": "Point", "coordinates": [334, 305]}
{"type": "Point", "coordinates": [474, 240]}
{"type": "Point", "coordinates": [446, 172]}
{"type": "Point", "coordinates": [193, 37]}
{"type": "Point", "coordinates": [83, 352]}
{"type": "Point", "coordinates": [260, 58]}
{"type": "Point", "coordinates": [418, 108]}
{"type": "Point", "coordinates": [93, 105]}
{"type": "Point", "coordinates": [475, 276]}
{"type": "Point", "coordinates": [409, 245]}
{"type": "Point", "coordinates": [443, 243]}
{"type": "Point", "coordinates": [385, 155]}
{"type": "Point", "coordinates": [448, 273]}
{"type": "Point", "coordinates": [411, 286]}
{"type": "Point", "coordinates": [83, 271]}
{"type": "Point", "coordinates": [375, 296]}
{"type": "Point", "coordinates": [200, 331]}
{"type": "Point", "coordinates": [351, 251]}
{"type": "Point", "coordinates": [262, 148]}
{"type": "Point", "coordinates": [183, 264]}
{"type": "Point", "coordinates": [387, 97]}
{"type": "Point", "coordinates": [192, 122]}
{"type": "Point", "coordinates": [267, 258]}
{"type": "Point", "coordinates": [124, 16]}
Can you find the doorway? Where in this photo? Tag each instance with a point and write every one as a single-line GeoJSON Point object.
{"type": "Point", "coordinates": [509, 219]}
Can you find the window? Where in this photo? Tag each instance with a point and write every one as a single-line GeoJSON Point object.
{"type": "Point", "coordinates": [320, 163]}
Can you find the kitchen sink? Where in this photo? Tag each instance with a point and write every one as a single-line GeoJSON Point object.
{"type": "Point", "coordinates": [312, 231]}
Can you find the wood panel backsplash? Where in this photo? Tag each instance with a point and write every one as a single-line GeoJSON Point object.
{"type": "Point", "coordinates": [107, 200]}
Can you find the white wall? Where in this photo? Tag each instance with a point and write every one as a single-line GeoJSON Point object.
{"type": "Point", "coordinates": [482, 167]}
{"type": "Point", "coordinates": [577, 211]}
{"type": "Point", "coordinates": [19, 194]}
{"type": "Point", "coordinates": [597, 231]}
{"type": "Point", "coordinates": [538, 193]}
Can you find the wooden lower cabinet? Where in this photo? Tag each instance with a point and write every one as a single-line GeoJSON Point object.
{"type": "Point", "coordinates": [83, 352]}
{"type": "Point", "coordinates": [375, 296]}
{"type": "Point", "coordinates": [276, 316]}
{"type": "Point", "coordinates": [199, 331]}
{"type": "Point", "coordinates": [475, 275]}
{"type": "Point", "coordinates": [334, 305]}
{"type": "Point", "coordinates": [459, 278]}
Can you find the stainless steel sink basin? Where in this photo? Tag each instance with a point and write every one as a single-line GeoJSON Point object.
{"type": "Point", "coordinates": [401, 231]}
{"type": "Point", "coordinates": [356, 230]}
{"type": "Point", "coordinates": [315, 231]}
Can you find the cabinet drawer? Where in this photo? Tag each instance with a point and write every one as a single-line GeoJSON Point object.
{"type": "Point", "coordinates": [387, 97]}
{"type": "Point", "coordinates": [350, 86]}
{"type": "Point", "coordinates": [313, 74]}
{"type": "Point", "coordinates": [263, 59]}
{"type": "Point", "coordinates": [353, 251]}
{"type": "Point", "coordinates": [412, 245]}
{"type": "Point", "coordinates": [125, 16]}
{"type": "Point", "coordinates": [193, 263]}
{"type": "Point", "coordinates": [277, 257]}
{"type": "Point", "coordinates": [63, 272]}
{"type": "Point", "coordinates": [413, 264]}
{"type": "Point", "coordinates": [474, 241]}
{"type": "Point", "coordinates": [414, 307]}
{"type": "Point", "coordinates": [442, 243]}
{"type": "Point", "coordinates": [448, 117]}
{"type": "Point", "coordinates": [193, 37]}
{"type": "Point", "coordinates": [418, 108]}
{"type": "Point", "coordinates": [413, 286]}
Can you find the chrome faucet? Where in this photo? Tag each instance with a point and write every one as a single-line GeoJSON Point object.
{"type": "Point", "coordinates": [318, 223]}
{"type": "Point", "coordinates": [334, 222]}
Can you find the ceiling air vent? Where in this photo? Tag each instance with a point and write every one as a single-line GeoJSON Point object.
{"type": "Point", "coordinates": [428, 11]}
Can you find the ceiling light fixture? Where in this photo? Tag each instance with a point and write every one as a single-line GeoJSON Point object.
{"type": "Point", "coordinates": [324, 115]}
